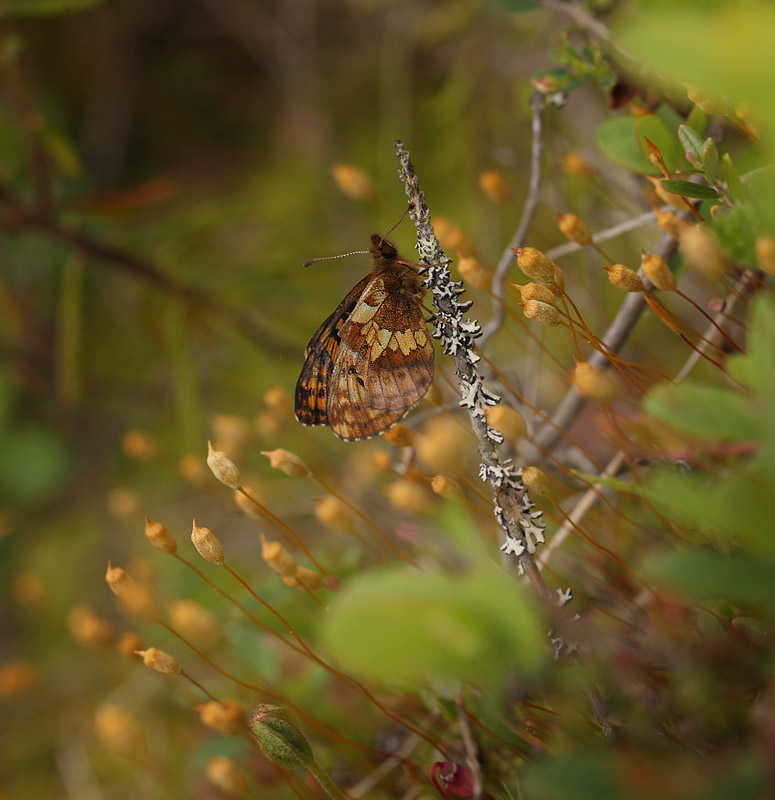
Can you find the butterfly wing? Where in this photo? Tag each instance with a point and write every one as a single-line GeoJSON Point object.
{"type": "Point", "coordinates": [311, 396]}
{"type": "Point", "coordinates": [384, 363]}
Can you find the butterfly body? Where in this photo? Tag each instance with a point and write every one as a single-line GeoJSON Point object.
{"type": "Point", "coordinates": [372, 359]}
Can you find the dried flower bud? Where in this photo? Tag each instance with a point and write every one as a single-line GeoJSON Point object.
{"type": "Point", "coordinates": [159, 661]}
{"type": "Point", "coordinates": [707, 102]}
{"type": "Point", "coordinates": [535, 480]}
{"type": "Point", "coordinates": [128, 644]}
{"type": "Point", "coordinates": [535, 264]}
{"type": "Point", "coordinates": [541, 312]}
{"type": "Point", "coordinates": [534, 291]}
{"type": "Point", "coordinates": [231, 433]}
{"type": "Point", "coordinates": [624, 278]}
{"type": "Point", "coordinates": [703, 253]}
{"type": "Point", "coordinates": [574, 163]}
{"type": "Point", "coordinates": [16, 677]}
{"type": "Point", "coordinates": [656, 270]}
{"type": "Point", "coordinates": [87, 628]}
{"type": "Point", "coordinates": [160, 537]}
{"type": "Point", "coordinates": [139, 445]}
{"type": "Point", "coordinates": [572, 227]}
{"type": "Point", "coordinates": [276, 399]}
{"type": "Point", "coordinates": [308, 578]}
{"type": "Point", "coordinates": [279, 737]}
{"type": "Point", "coordinates": [117, 579]}
{"type": "Point", "coordinates": [381, 461]}
{"type": "Point", "coordinates": [268, 425]}
{"type": "Point", "coordinates": [192, 469]}
{"type": "Point", "coordinates": [507, 420]}
{"type": "Point", "coordinates": [287, 462]}
{"type": "Point", "coordinates": [334, 514]}
{"type": "Point", "coordinates": [119, 731]}
{"type": "Point", "coordinates": [207, 545]}
{"type": "Point", "coordinates": [245, 504]}
{"type": "Point", "coordinates": [399, 435]}
{"type": "Point", "coordinates": [223, 773]}
{"type": "Point", "coordinates": [446, 487]}
{"type": "Point", "coordinates": [442, 445]}
{"type": "Point", "coordinates": [671, 223]}
{"type": "Point", "coordinates": [195, 622]}
{"type": "Point", "coordinates": [227, 717]}
{"type": "Point", "coordinates": [277, 557]}
{"type": "Point", "coordinates": [408, 496]}
{"type": "Point", "coordinates": [494, 186]}
{"type": "Point", "coordinates": [475, 274]}
{"type": "Point", "coordinates": [452, 238]}
{"type": "Point", "coordinates": [594, 383]}
{"type": "Point", "coordinates": [765, 253]}
{"type": "Point", "coordinates": [557, 284]}
{"type": "Point", "coordinates": [353, 182]}
{"type": "Point", "coordinates": [122, 503]}
{"type": "Point", "coordinates": [224, 469]}
{"type": "Point", "coordinates": [138, 600]}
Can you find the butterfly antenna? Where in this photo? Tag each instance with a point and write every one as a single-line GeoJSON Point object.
{"type": "Point", "coordinates": [329, 258]}
{"type": "Point", "coordinates": [403, 216]}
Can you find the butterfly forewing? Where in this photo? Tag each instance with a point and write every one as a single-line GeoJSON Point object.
{"type": "Point", "coordinates": [372, 359]}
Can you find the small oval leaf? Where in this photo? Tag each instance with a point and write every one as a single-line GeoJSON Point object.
{"type": "Point", "coordinates": [689, 189]}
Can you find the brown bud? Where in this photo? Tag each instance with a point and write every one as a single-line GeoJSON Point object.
{"type": "Point", "coordinates": [308, 578]}
{"type": "Point", "coordinates": [703, 253]}
{"type": "Point", "coordinates": [246, 505]}
{"type": "Point", "coordinates": [574, 163]}
{"type": "Point", "coordinates": [223, 773]}
{"type": "Point", "coordinates": [506, 420]}
{"type": "Point", "coordinates": [138, 599]}
{"type": "Point", "coordinates": [287, 462]}
{"type": "Point", "coordinates": [765, 253]}
{"type": "Point", "coordinates": [276, 399]}
{"type": "Point", "coordinates": [128, 644]}
{"type": "Point", "coordinates": [535, 264]}
{"type": "Point", "coordinates": [399, 435]}
{"type": "Point", "coordinates": [408, 496]}
{"type": "Point", "coordinates": [572, 227]}
{"type": "Point", "coordinates": [353, 182]}
{"type": "Point", "coordinates": [117, 579]}
{"type": "Point", "coordinates": [535, 480]}
{"type": "Point", "coordinates": [475, 274]}
{"type": "Point", "coordinates": [192, 468]}
{"type": "Point", "coordinates": [446, 487]}
{"type": "Point", "coordinates": [231, 433]}
{"type": "Point", "coordinates": [119, 731]}
{"type": "Point", "coordinates": [334, 514]}
{"type": "Point", "coordinates": [534, 291]}
{"type": "Point", "coordinates": [541, 312]}
{"type": "Point", "coordinates": [159, 661]}
{"type": "Point", "coordinates": [381, 461]}
{"type": "Point", "coordinates": [452, 238]}
{"type": "Point", "coordinates": [224, 469]}
{"type": "Point", "coordinates": [594, 383]}
{"type": "Point", "coordinates": [122, 503]}
{"type": "Point", "coordinates": [207, 545]}
{"type": "Point", "coordinates": [87, 628]}
{"type": "Point", "coordinates": [227, 717]}
{"type": "Point", "coordinates": [277, 557]}
{"type": "Point", "coordinates": [656, 270]}
{"type": "Point", "coordinates": [442, 445]}
{"type": "Point", "coordinates": [671, 223]}
{"type": "Point", "coordinates": [195, 622]}
{"type": "Point", "coordinates": [160, 537]}
{"type": "Point", "coordinates": [624, 278]}
{"type": "Point", "coordinates": [139, 445]}
{"type": "Point", "coordinates": [494, 186]}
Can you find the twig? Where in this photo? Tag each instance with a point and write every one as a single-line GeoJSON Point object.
{"type": "Point", "coordinates": [513, 508]}
{"type": "Point", "coordinates": [472, 758]}
{"type": "Point", "coordinates": [507, 259]}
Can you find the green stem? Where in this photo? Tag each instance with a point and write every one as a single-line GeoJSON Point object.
{"type": "Point", "coordinates": [323, 778]}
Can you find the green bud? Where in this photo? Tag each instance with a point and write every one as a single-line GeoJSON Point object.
{"type": "Point", "coordinates": [280, 737]}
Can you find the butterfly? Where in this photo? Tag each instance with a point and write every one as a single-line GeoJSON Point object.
{"type": "Point", "coordinates": [372, 359]}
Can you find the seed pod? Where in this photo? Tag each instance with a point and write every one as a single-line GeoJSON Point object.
{"type": "Point", "coordinates": [765, 253]}
{"type": "Point", "coordinates": [287, 462]}
{"type": "Point", "coordinates": [120, 732]}
{"type": "Point", "coordinates": [128, 644]}
{"type": "Point", "coordinates": [353, 182]}
{"type": "Point", "coordinates": [158, 660]}
{"type": "Point", "coordinates": [656, 270]}
{"type": "Point", "coordinates": [507, 420]}
{"type": "Point", "coordinates": [452, 239]}
{"type": "Point", "coordinates": [594, 383]}
{"type": "Point", "coordinates": [535, 480]}
{"type": "Point", "coordinates": [334, 514]}
{"type": "Point", "coordinates": [541, 312]}
{"type": "Point", "coordinates": [408, 496]}
{"type": "Point", "coordinates": [535, 264]}
{"type": "Point", "coordinates": [446, 487]}
{"type": "Point", "coordinates": [277, 557]}
{"type": "Point", "coordinates": [399, 435]}
{"type": "Point", "coordinates": [574, 229]}
{"type": "Point", "coordinates": [703, 253]}
{"type": "Point", "coordinates": [195, 621]}
{"type": "Point", "coordinates": [192, 468]}
{"type": "Point", "coordinates": [534, 291]}
{"type": "Point", "coordinates": [308, 578]}
{"type": "Point", "coordinates": [475, 274]}
{"type": "Point", "coordinates": [117, 579]}
{"type": "Point", "coordinates": [494, 186]}
{"type": "Point", "coordinates": [624, 278]}
{"type": "Point", "coordinates": [675, 200]}
{"type": "Point", "coordinates": [160, 537]}
{"type": "Point", "coordinates": [276, 399]}
{"type": "Point", "coordinates": [227, 716]}
{"type": "Point", "coordinates": [139, 445]}
{"type": "Point", "coordinates": [232, 433]}
{"type": "Point", "coordinates": [87, 628]}
{"type": "Point", "coordinates": [223, 773]}
{"type": "Point", "coordinates": [671, 223]}
{"type": "Point", "coordinates": [207, 544]}
{"type": "Point", "coordinates": [574, 163]}
{"type": "Point", "coordinates": [224, 469]}
{"type": "Point", "coordinates": [279, 737]}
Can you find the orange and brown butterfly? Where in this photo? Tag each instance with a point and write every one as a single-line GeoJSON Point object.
{"type": "Point", "coordinates": [372, 359]}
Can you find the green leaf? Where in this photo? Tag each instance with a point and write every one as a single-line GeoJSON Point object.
{"type": "Point", "coordinates": [728, 173]}
{"type": "Point", "coordinates": [691, 141]}
{"type": "Point", "coordinates": [756, 368]}
{"type": "Point", "coordinates": [737, 229]}
{"type": "Point", "coordinates": [698, 120]}
{"type": "Point", "coordinates": [651, 127]}
{"type": "Point", "coordinates": [710, 160]}
{"type": "Point", "coordinates": [46, 7]}
{"type": "Point", "coordinates": [705, 411]}
{"type": "Point", "coordinates": [618, 141]}
{"type": "Point", "coordinates": [689, 189]}
{"type": "Point", "coordinates": [410, 629]}
{"type": "Point", "coordinates": [702, 574]}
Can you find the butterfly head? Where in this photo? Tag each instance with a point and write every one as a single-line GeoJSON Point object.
{"type": "Point", "coordinates": [383, 252]}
